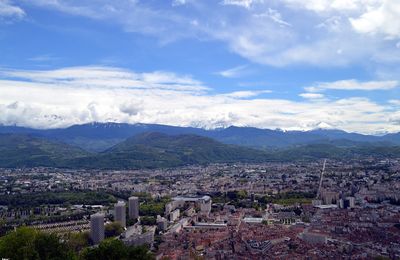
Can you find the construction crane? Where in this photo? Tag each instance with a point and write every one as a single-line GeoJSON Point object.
{"type": "Point", "coordinates": [320, 180]}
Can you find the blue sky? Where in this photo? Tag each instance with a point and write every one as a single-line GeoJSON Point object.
{"type": "Point", "coordinates": [287, 64]}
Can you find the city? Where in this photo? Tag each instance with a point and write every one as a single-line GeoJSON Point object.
{"type": "Point", "coordinates": [199, 129]}
{"type": "Point", "coordinates": [220, 211]}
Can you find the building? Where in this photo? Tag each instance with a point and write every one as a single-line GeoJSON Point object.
{"type": "Point", "coordinates": [203, 202]}
{"type": "Point", "coordinates": [340, 203]}
{"type": "Point", "coordinates": [205, 205]}
{"type": "Point", "coordinates": [133, 205]}
{"type": "Point", "coordinates": [350, 201]}
{"type": "Point", "coordinates": [174, 215]}
{"type": "Point", "coordinates": [162, 223]}
{"type": "Point", "coordinates": [97, 228]}
{"type": "Point", "coordinates": [120, 213]}
{"type": "Point", "coordinates": [253, 220]}
{"type": "Point", "coordinates": [286, 218]}
{"type": "Point", "coordinates": [314, 238]}
{"type": "Point", "coordinates": [146, 238]}
{"type": "Point", "coordinates": [330, 197]}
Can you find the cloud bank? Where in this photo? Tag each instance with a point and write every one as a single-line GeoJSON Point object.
{"type": "Point", "coordinates": [76, 95]}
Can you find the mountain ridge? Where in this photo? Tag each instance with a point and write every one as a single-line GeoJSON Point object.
{"type": "Point", "coordinates": [96, 137]}
{"type": "Point", "coordinates": [159, 150]}
{"type": "Point", "coordinates": [147, 150]}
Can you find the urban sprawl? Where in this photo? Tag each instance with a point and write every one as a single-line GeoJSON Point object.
{"type": "Point", "coordinates": [311, 210]}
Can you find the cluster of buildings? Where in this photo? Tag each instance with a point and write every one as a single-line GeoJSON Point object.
{"type": "Point", "coordinates": [353, 211]}
{"type": "Point", "coordinates": [132, 235]}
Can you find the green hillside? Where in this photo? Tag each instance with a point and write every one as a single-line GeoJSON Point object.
{"type": "Point", "coordinates": [152, 150]}
{"type": "Point", "coordinates": [157, 150]}
{"type": "Point", "coordinates": [18, 150]}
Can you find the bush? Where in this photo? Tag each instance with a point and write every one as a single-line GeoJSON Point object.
{"type": "Point", "coordinates": [113, 229]}
{"type": "Point", "coordinates": [27, 243]}
{"type": "Point", "coordinates": [112, 249]}
{"type": "Point", "coordinates": [148, 220]}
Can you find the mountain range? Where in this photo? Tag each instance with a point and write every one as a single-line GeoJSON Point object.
{"type": "Point", "coordinates": [146, 150]}
{"type": "Point", "coordinates": [124, 146]}
{"type": "Point", "coordinates": [97, 137]}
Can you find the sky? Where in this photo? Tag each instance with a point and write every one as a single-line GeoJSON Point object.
{"type": "Point", "coordinates": [276, 64]}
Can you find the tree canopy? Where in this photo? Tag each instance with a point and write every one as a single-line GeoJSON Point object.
{"type": "Point", "coordinates": [30, 244]}
{"type": "Point", "coordinates": [27, 243]}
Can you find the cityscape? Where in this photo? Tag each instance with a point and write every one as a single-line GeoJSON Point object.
{"type": "Point", "coordinates": [199, 129]}
{"type": "Point", "coordinates": [220, 211]}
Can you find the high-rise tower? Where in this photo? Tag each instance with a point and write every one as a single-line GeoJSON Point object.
{"type": "Point", "coordinates": [133, 207]}
{"type": "Point", "coordinates": [120, 213]}
{"type": "Point", "coordinates": [97, 227]}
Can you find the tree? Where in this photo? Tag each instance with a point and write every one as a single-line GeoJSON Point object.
{"type": "Point", "coordinates": [77, 241]}
{"type": "Point", "coordinates": [139, 253]}
{"type": "Point", "coordinates": [148, 220]}
{"type": "Point", "coordinates": [109, 249]}
{"type": "Point", "coordinates": [49, 246]}
{"type": "Point", "coordinates": [113, 229]}
{"type": "Point", "coordinates": [27, 243]}
{"type": "Point", "coordinates": [112, 249]}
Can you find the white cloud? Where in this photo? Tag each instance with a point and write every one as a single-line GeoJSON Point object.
{"type": "Point", "coordinates": [276, 33]}
{"type": "Point", "coordinates": [10, 11]}
{"type": "Point", "coordinates": [311, 95]}
{"type": "Point", "coordinates": [246, 93]}
{"type": "Point", "coordinates": [43, 58]}
{"type": "Point", "coordinates": [381, 20]}
{"type": "Point", "coordinates": [353, 84]}
{"type": "Point", "coordinates": [74, 7]}
{"type": "Point", "coordinates": [275, 16]}
{"type": "Point", "coordinates": [178, 2]}
{"type": "Point", "coordinates": [242, 3]}
{"type": "Point", "coordinates": [59, 98]}
{"type": "Point", "coordinates": [108, 77]}
{"type": "Point", "coordinates": [235, 72]}
{"type": "Point", "coordinates": [263, 36]}
{"type": "Point", "coordinates": [319, 6]}
{"type": "Point", "coordinates": [395, 102]}
{"type": "Point", "coordinates": [132, 15]}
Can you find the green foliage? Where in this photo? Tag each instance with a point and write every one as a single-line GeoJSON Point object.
{"type": "Point", "coordinates": [131, 222]}
{"type": "Point", "coordinates": [77, 241]}
{"type": "Point", "coordinates": [332, 151]}
{"type": "Point", "coordinates": [113, 229]}
{"type": "Point", "coordinates": [111, 249]}
{"type": "Point", "coordinates": [30, 244]}
{"type": "Point", "coordinates": [149, 150]}
{"type": "Point", "coordinates": [288, 198]}
{"type": "Point", "coordinates": [242, 194]}
{"type": "Point", "coordinates": [156, 150]}
{"type": "Point", "coordinates": [54, 198]}
{"type": "Point", "coordinates": [27, 243]}
{"type": "Point", "coordinates": [236, 195]}
{"type": "Point", "coordinates": [19, 150]}
{"type": "Point", "coordinates": [381, 258]}
{"type": "Point", "coordinates": [153, 150]}
{"type": "Point", "coordinates": [153, 207]}
{"type": "Point", "coordinates": [148, 220]}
